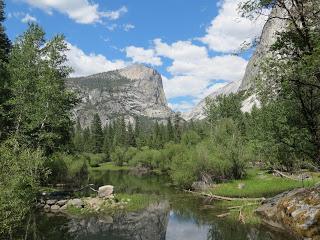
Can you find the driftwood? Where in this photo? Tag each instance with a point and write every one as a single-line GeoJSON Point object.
{"type": "Point", "coordinates": [286, 176]}
{"type": "Point", "coordinates": [223, 215]}
{"type": "Point", "coordinates": [222, 198]}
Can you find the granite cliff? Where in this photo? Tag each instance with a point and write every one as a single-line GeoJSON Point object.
{"type": "Point", "coordinates": [134, 91]}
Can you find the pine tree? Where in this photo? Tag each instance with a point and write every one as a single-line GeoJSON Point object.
{"type": "Point", "coordinates": [131, 139]}
{"type": "Point", "coordinates": [170, 132]}
{"type": "Point", "coordinates": [177, 128]}
{"type": "Point", "coordinates": [97, 134]}
{"type": "Point", "coordinates": [119, 132]}
{"type": "Point", "coordinates": [106, 147]}
{"type": "Point", "coordinates": [78, 137]}
{"type": "Point", "coordinates": [5, 46]}
{"type": "Point", "coordinates": [87, 140]}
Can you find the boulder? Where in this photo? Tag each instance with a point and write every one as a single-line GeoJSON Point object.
{"type": "Point", "coordinates": [105, 191]}
{"type": "Point", "coordinates": [200, 186]}
{"type": "Point", "coordinates": [51, 201]}
{"type": "Point", "coordinates": [62, 202]}
{"type": "Point", "coordinates": [55, 208]}
{"type": "Point", "coordinates": [76, 203]}
{"type": "Point", "coordinates": [46, 208]}
{"type": "Point", "coordinates": [64, 207]}
{"type": "Point", "coordinates": [297, 211]}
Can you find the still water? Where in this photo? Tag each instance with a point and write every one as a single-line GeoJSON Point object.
{"type": "Point", "coordinates": [175, 216]}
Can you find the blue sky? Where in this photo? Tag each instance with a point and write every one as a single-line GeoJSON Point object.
{"type": "Point", "coordinates": [190, 42]}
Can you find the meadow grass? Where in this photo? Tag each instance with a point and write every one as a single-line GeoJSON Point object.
{"type": "Point", "coordinates": [261, 184]}
{"type": "Point", "coordinates": [109, 166]}
{"type": "Point", "coordinates": [136, 202]}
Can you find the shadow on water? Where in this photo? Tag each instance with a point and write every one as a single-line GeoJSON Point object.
{"type": "Point", "coordinates": [175, 216]}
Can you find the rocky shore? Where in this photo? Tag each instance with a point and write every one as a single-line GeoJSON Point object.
{"type": "Point", "coordinates": [103, 200]}
{"type": "Point", "coordinates": [297, 211]}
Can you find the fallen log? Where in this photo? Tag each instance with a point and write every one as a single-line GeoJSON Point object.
{"type": "Point", "coordinates": [286, 176]}
{"type": "Point", "coordinates": [222, 198]}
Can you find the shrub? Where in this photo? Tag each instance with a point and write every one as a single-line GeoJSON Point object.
{"type": "Point", "coordinates": [20, 175]}
{"type": "Point", "coordinates": [118, 156]}
{"type": "Point", "coordinates": [68, 169]}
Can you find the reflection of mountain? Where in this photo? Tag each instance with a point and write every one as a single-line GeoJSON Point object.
{"type": "Point", "coordinates": [149, 224]}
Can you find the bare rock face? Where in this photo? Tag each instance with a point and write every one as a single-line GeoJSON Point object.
{"type": "Point", "coordinates": [198, 112]}
{"type": "Point", "coordinates": [297, 211]}
{"type": "Point", "coordinates": [134, 91]}
{"type": "Point", "coordinates": [268, 37]}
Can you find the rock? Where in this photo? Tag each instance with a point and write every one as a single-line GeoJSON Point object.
{"type": "Point", "coordinates": [62, 202]}
{"type": "Point", "coordinates": [51, 201]}
{"type": "Point", "coordinates": [198, 112]}
{"type": "Point", "coordinates": [136, 90]}
{"type": "Point", "coordinates": [76, 203]}
{"type": "Point", "coordinates": [297, 211]}
{"type": "Point", "coordinates": [105, 191]}
{"type": "Point", "coordinates": [55, 208]}
{"type": "Point", "coordinates": [46, 208]}
{"type": "Point", "coordinates": [64, 207]}
{"type": "Point", "coordinates": [199, 186]}
{"type": "Point", "coordinates": [241, 186]}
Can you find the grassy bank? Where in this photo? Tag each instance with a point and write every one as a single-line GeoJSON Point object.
{"type": "Point", "coordinates": [261, 184]}
{"type": "Point", "coordinates": [257, 184]}
{"type": "Point", "coordinates": [109, 166]}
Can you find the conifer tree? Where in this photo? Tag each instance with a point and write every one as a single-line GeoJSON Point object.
{"type": "Point", "coordinates": [131, 139]}
{"type": "Point", "coordinates": [5, 45]}
{"type": "Point", "coordinates": [97, 134]}
{"type": "Point", "coordinates": [170, 132]}
{"type": "Point", "coordinates": [78, 137]}
{"type": "Point", "coordinates": [177, 128]}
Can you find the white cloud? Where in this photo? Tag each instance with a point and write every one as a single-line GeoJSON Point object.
{"type": "Point", "coordinates": [85, 64]}
{"type": "Point", "coordinates": [114, 15]}
{"type": "Point", "coordinates": [194, 71]}
{"type": "Point", "coordinates": [28, 18]}
{"type": "Point", "coordinates": [127, 27]}
{"type": "Point", "coordinates": [182, 106]}
{"type": "Point", "coordinates": [141, 55]}
{"type": "Point", "coordinates": [81, 11]}
{"type": "Point", "coordinates": [229, 30]}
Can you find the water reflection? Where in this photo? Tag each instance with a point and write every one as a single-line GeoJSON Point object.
{"type": "Point", "coordinates": [176, 216]}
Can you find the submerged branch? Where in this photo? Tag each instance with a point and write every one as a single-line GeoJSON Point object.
{"type": "Point", "coordinates": [222, 198]}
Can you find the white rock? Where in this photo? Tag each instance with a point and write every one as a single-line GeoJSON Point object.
{"type": "Point", "coordinates": [105, 191]}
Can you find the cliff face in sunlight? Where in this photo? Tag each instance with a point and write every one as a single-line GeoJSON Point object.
{"type": "Point", "coordinates": [268, 37]}
{"type": "Point", "coordinates": [136, 90]}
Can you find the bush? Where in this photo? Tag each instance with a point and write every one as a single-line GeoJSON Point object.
{"type": "Point", "coordinates": [20, 175]}
{"type": "Point", "coordinates": [94, 160]}
{"type": "Point", "coordinates": [68, 169]}
{"type": "Point", "coordinates": [118, 156]}
{"type": "Point", "coordinates": [190, 138]}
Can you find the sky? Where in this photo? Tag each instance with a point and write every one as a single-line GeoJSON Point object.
{"type": "Point", "coordinates": [193, 44]}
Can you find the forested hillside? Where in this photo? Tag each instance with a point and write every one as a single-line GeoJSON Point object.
{"type": "Point", "coordinates": [44, 144]}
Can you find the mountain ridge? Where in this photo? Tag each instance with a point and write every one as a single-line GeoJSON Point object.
{"type": "Point", "coordinates": [134, 91]}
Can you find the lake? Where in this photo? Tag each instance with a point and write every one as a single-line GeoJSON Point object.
{"type": "Point", "coordinates": [174, 216]}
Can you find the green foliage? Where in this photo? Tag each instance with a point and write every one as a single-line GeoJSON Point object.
{"type": "Point", "coordinates": [71, 169]}
{"type": "Point", "coordinates": [41, 105]}
{"type": "Point", "coordinates": [190, 138]}
{"type": "Point", "coordinates": [118, 156]}
{"type": "Point", "coordinates": [96, 134]}
{"type": "Point", "coordinates": [5, 46]}
{"type": "Point", "coordinates": [21, 172]}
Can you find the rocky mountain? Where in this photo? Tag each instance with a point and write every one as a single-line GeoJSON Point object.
{"type": "Point", "coordinates": [198, 112]}
{"type": "Point", "coordinates": [136, 90]}
{"type": "Point", "coordinates": [268, 37]}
